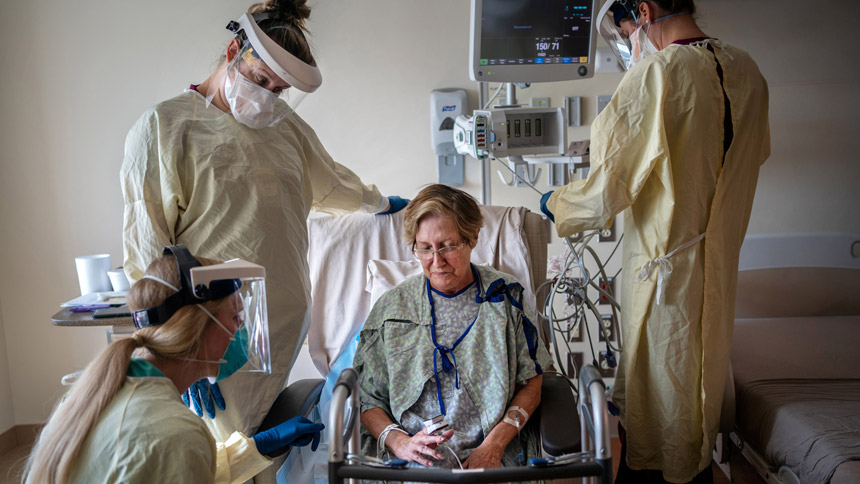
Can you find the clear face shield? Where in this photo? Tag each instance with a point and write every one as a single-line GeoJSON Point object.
{"type": "Point", "coordinates": [265, 83]}
{"type": "Point", "coordinates": [245, 284]}
{"type": "Point", "coordinates": [615, 25]}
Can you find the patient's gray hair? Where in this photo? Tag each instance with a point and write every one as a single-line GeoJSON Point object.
{"type": "Point", "coordinates": [442, 200]}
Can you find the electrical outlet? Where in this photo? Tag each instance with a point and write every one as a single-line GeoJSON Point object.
{"type": "Point", "coordinates": [574, 363]}
{"type": "Point", "coordinates": [607, 234]}
{"type": "Point", "coordinates": [604, 369]}
{"type": "Point", "coordinates": [607, 326]}
{"type": "Point", "coordinates": [607, 285]}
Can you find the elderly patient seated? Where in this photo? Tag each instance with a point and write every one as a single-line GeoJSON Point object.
{"type": "Point", "coordinates": [456, 343]}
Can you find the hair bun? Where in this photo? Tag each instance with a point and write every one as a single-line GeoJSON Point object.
{"type": "Point", "coordinates": [295, 12]}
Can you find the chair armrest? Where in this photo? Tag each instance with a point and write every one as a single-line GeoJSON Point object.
{"type": "Point", "coordinates": [559, 421]}
{"type": "Point", "coordinates": [297, 399]}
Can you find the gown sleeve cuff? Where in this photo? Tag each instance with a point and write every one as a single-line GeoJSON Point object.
{"type": "Point", "coordinates": [381, 205]}
{"type": "Point", "coordinates": [238, 460]}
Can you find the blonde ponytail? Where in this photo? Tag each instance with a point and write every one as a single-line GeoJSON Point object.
{"type": "Point", "coordinates": [54, 455]}
{"type": "Point", "coordinates": [60, 441]}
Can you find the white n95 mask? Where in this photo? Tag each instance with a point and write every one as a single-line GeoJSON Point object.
{"type": "Point", "coordinates": [251, 105]}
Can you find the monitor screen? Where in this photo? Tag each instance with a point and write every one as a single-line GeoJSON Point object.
{"type": "Point", "coordinates": [532, 40]}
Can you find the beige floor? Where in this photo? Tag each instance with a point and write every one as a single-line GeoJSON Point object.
{"type": "Point", "coordinates": [12, 463]}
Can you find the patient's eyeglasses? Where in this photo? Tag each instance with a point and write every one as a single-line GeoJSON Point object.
{"type": "Point", "coordinates": [445, 252]}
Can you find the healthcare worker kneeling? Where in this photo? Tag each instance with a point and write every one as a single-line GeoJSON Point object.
{"type": "Point", "coordinates": [123, 420]}
{"type": "Point", "coordinates": [678, 150]}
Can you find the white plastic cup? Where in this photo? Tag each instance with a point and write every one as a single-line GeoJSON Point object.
{"type": "Point", "coordinates": [93, 273]}
{"type": "Point", "coordinates": [118, 280]}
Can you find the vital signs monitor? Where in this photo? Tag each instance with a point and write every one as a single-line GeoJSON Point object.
{"type": "Point", "coordinates": [532, 40]}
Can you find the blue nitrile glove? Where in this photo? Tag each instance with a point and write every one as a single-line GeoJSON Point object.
{"type": "Point", "coordinates": [202, 395]}
{"type": "Point", "coordinates": [543, 199]}
{"type": "Point", "coordinates": [395, 204]}
{"type": "Point", "coordinates": [297, 432]}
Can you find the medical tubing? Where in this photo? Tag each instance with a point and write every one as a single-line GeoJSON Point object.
{"type": "Point", "coordinates": [601, 268]}
{"type": "Point", "coordinates": [551, 297]}
{"type": "Point", "coordinates": [613, 304]}
{"type": "Point", "coordinates": [454, 454]}
{"type": "Point", "coordinates": [596, 313]}
{"type": "Point", "coordinates": [495, 95]}
{"type": "Point", "coordinates": [576, 290]}
{"type": "Point", "coordinates": [518, 176]}
{"type": "Point", "coordinates": [560, 280]}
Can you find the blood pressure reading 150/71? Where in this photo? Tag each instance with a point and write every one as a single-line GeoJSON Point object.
{"type": "Point", "coordinates": [543, 47]}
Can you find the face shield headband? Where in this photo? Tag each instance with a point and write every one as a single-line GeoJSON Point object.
{"type": "Point", "coordinates": [187, 293]}
{"type": "Point", "coordinates": [285, 65]}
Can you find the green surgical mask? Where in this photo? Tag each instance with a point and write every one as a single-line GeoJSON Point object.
{"type": "Point", "coordinates": [236, 355]}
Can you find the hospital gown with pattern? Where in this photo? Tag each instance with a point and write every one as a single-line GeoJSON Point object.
{"type": "Point", "coordinates": [394, 360]}
{"type": "Point", "coordinates": [193, 175]}
{"type": "Point", "coordinates": [657, 154]}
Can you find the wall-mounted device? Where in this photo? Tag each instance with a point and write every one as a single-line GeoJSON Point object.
{"type": "Point", "coordinates": [445, 106]}
{"type": "Point", "coordinates": [528, 41]}
{"type": "Point", "coordinates": [506, 132]}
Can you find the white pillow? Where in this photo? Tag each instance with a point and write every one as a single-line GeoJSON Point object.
{"type": "Point", "coordinates": [383, 275]}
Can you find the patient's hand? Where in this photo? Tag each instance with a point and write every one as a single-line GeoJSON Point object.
{"type": "Point", "coordinates": [418, 448]}
{"type": "Point", "coordinates": [485, 455]}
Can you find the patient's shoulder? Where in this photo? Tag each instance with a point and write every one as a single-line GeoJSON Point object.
{"type": "Point", "coordinates": [400, 302]}
{"type": "Point", "coordinates": [489, 274]}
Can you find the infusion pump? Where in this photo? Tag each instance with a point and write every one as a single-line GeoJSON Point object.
{"type": "Point", "coordinates": [514, 131]}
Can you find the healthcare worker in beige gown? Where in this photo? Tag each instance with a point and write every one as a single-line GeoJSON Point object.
{"type": "Point", "coordinates": [228, 169]}
{"type": "Point", "coordinates": [678, 151]}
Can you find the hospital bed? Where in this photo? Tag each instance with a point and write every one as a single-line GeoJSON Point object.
{"type": "Point", "coordinates": [354, 258]}
{"type": "Point", "coordinates": [792, 402]}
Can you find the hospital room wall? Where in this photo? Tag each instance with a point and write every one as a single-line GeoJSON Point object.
{"type": "Point", "coordinates": [77, 74]}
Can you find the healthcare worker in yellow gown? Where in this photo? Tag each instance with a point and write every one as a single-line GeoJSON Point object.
{"type": "Point", "coordinates": [228, 169]}
{"type": "Point", "coordinates": [678, 150]}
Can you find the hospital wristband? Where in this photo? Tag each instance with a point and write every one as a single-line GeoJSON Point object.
{"type": "Point", "coordinates": [380, 441]}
